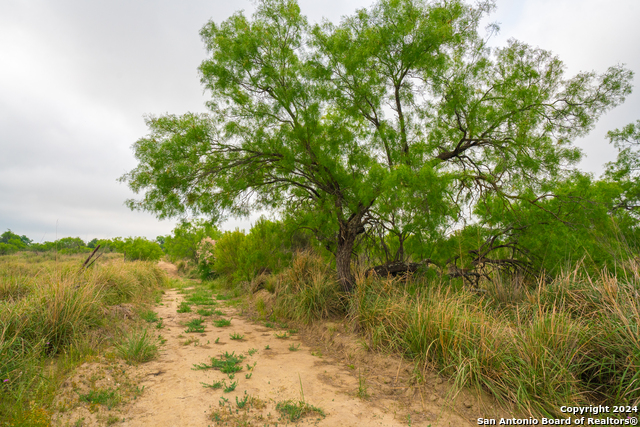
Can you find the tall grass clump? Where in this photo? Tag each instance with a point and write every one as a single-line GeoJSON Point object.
{"type": "Point", "coordinates": [573, 342]}
{"type": "Point", "coordinates": [308, 289]}
{"type": "Point", "coordinates": [53, 311]}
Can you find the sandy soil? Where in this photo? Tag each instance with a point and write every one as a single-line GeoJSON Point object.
{"type": "Point", "coordinates": [173, 393]}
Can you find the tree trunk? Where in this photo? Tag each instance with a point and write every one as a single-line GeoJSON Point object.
{"type": "Point", "coordinates": [348, 232]}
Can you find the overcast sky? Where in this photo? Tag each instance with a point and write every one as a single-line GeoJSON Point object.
{"type": "Point", "coordinates": [77, 77]}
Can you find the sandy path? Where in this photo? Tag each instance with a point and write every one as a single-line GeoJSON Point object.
{"type": "Point", "coordinates": [173, 394]}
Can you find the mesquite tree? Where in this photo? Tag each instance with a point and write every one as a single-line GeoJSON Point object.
{"type": "Point", "coordinates": [398, 117]}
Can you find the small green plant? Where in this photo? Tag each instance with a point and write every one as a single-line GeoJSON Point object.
{"type": "Point", "coordinates": [250, 367]}
{"type": "Point", "coordinates": [294, 347]}
{"type": "Point", "coordinates": [270, 325]}
{"type": "Point", "coordinates": [222, 322]}
{"type": "Point", "coordinates": [231, 387]}
{"type": "Point", "coordinates": [282, 335]}
{"type": "Point", "coordinates": [292, 331]}
{"type": "Point", "coordinates": [241, 403]}
{"type": "Point", "coordinates": [362, 387]}
{"type": "Point", "coordinates": [194, 341]}
{"type": "Point", "coordinates": [217, 340]}
{"type": "Point", "coordinates": [216, 385]}
{"type": "Point", "coordinates": [316, 353]}
{"type": "Point", "coordinates": [296, 410]}
{"type": "Point", "coordinates": [236, 336]}
{"type": "Point", "coordinates": [137, 348]}
{"type": "Point", "coordinates": [247, 376]}
{"type": "Point", "coordinates": [204, 312]}
{"type": "Point", "coordinates": [195, 325]}
{"type": "Point", "coordinates": [223, 401]}
{"type": "Point", "coordinates": [201, 296]}
{"type": "Point", "coordinates": [252, 351]}
{"type": "Point", "coordinates": [267, 347]}
{"type": "Point", "coordinates": [161, 339]}
{"type": "Point", "coordinates": [184, 308]}
{"type": "Point", "coordinates": [107, 397]}
{"type": "Point", "coordinates": [149, 315]}
{"type": "Point", "coordinates": [159, 325]}
{"type": "Point", "coordinates": [231, 376]}
{"type": "Point", "coordinates": [227, 363]}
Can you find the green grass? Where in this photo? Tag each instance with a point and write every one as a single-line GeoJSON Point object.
{"type": "Point", "coordinates": [137, 347]}
{"type": "Point", "coordinates": [216, 385]}
{"type": "Point", "coordinates": [54, 317]}
{"type": "Point", "coordinates": [204, 312]}
{"type": "Point", "coordinates": [231, 387]}
{"type": "Point", "coordinates": [222, 322]}
{"type": "Point", "coordinates": [228, 363]}
{"type": "Point", "coordinates": [200, 296]}
{"type": "Point", "coordinates": [184, 307]}
{"type": "Point", "coordinates": [295, 410]}
{"type": "Point", "coordinates": [195, 325]}
{"type": "Point", "coordinates": [242, 402]}
{"type": "Point", "coordinates": [108, 397]}
{"type": "Point", "coordinates": [149, 316]}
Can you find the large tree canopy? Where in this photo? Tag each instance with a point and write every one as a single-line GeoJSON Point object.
{"type": "Point", "coordinates": [397, 119]}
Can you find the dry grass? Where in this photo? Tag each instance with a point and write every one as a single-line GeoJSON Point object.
{"type": "Point", "coordinates": [574, 341]}
{"type": "Point", "coordinates": [51, 311]}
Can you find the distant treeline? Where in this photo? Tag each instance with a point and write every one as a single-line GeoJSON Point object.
{"type": "Point", "coordinates": [134, 248]}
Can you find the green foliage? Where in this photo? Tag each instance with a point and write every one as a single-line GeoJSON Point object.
{"type": "Point", "coordinates": [134, 248]}
{"type": "Point", "coordinates": [296, 410]}
{"type": "Point", "coordinates": [11, 242]}
{"type": "Point", "coordinates": [300, 123]}
{"type": "Point", "coordinates": [240, 256]}
{"type": "Point", "coordinates": [186, 237]}
{"type": "Point", "coordinates": [626, 169]}
{"type": "Point", "coordinates": [137, 348]}
{"type": "Point", "coordinates": [139, 248]}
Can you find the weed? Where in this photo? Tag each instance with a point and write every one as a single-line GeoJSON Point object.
{"type": "Point", "coordinates": [231, 376]}
{"type": "Point", "coordinates": [252, 351]}
{"type": "Point", "coordinates": [270, 325]}
{"type": "Point", "coordinates": [222, 322]}
{"type": "Point", "coordinates": [217, 340]}
{"type": "Point", "coordinates": [316, 353]}
{"type": "Point", "coordinates": [296, 410]}
{"type": "Point", "coordinates": [215, 386]}
{"type": "Point", "coordinates": [159, 325]}
{"type": "Point", "coordinates": [292, 331]}
{"type": "Point", "coordinates": [267, 347]}
{"type": "Point", "coordinates": [362, 387]}
{"type": "Point", "coordinates": [108, 397]}
{"type": "Point", "coordinates": [137, 347]}
{"type": "Point", "coordinates": [149, 315]}
{"type": "Point", "coordinates": [294, 347]}
{"type": "Point", "coordinates": [231, 387]}
{"type": "Point", "coordinates": [247, 376]}
{"type": "Point", "coordinates": [161, 339]}
{"type": "Point", "coordinates": [201, 296]}
{"type": "Point", "coordinates": [282, 335]}
{"type": "Point", "coordinates": [184, 307]}
{"type": "Point", "coordinates": [236, 336]}
{"type": "Point", "coordinates": [241, 403]}
{"type": "Point", "coordinates": [194, 341]}
{"type": "Point", "coordinates": [227, 363]}
{"type": "Point", "coordinates": [195, 325]}
{"type": "Point", "coordinates": [204, 312]}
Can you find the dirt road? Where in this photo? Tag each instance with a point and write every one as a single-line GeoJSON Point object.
{"type": "Point", "coordinates": [274, 371]}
